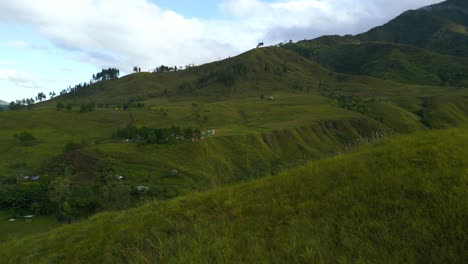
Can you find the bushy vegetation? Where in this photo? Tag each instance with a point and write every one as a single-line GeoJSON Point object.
{"type": "Point", "coordinates": [89, 107]}
{"type": "Point", "coordinates": [54, 193]}
{"type": "Point", "coordinates": [25, 138]}
{"type": "Point", "coordinates": [162, 136]}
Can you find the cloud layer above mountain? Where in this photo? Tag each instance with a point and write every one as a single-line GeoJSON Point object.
{"type": "Point", "coordinates": [123, 33]}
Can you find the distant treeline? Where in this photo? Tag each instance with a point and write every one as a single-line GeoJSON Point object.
{"type": "Point", "coordinates": [104, 75]}
{"type": "Point", "coordinates": [92, 106]}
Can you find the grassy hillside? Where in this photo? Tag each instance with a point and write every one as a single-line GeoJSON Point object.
{"type": "Point", "coordinates": [313, 113]}
{"type": "Point", "coordinates": [256, 72]}
{"type": "Point", "coordinates": [20, 228]}
{"type": "Point", "coordinates": [247, 117]}
{"type": "Point", "coordinates": [253, 138]}
{"type": "Point", "coordinates": [441, 27]}
{"type": "Point", "coordinates": [425, 46]}
{"type": "Point", "coordinates": [401, 63]}
{"type": "Point", "coordinates": [386, 203]}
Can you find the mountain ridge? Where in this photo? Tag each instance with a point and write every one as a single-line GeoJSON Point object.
{"type": "Point", "coordinates": [428, 46]}
{"type": "Point", "coordinates": [440, 27]}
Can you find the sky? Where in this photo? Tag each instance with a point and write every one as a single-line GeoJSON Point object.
{"type": "Point", "coordinates": [49, 45]}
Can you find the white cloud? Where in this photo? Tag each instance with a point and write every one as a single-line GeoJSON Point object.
{"type": "Point", "coordinates": [5, 62]}
{"type": "Point", "coordinates": [298, 19]}
{"type": "Point", "coordinates": [17, 44]}
{"type": "Point", "coordinates": [124, 33]}
{"type": "Point", "coordinates": [19, 78]}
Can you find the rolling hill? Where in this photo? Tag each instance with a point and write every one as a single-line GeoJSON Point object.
{"type": "Point", "coordinates": [424, 46]}
{"type": "Point", "coordinates": [390, 61]}
{"type": "Point", "coordinates": [340, 149]}
{"type": "Point", "coordinates": [441, 27]}
{"type": "Point", "coordinates": [386, 203]}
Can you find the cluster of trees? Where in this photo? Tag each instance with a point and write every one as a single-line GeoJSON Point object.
{"type": "Point", "coordinates": [163, 136]}
{"type": "Point", "coordinates": [129, 105]}
{"type": "Point", "coordinates": [347, 102]}
{"type": "Point", "coordinates": [21, 104]}
{"type": "Point", "coordinates": [89, 107]}
{"type": "Point", "coordinates": [40, 97]}
{"type": "Point", "coordinates": [164, 68]}
{"type": "Point", "coordinates": [55, 193]}
{"type": "Point", "coordinates": [453, 77]}
{"type": "Point", "coordinates": [136, 69]}
{"type": "Point", "coordinates": [60, 106]}
{"type": "Point", "coordinates": [28, 102]}
{"type": "Point", "coordinates": [106, 74]}
{"type": "Point", "coordinates": [75, 88]}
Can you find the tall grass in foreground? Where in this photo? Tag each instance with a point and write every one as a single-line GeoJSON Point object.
{"type": "Point", "coordinates": [403, 200]}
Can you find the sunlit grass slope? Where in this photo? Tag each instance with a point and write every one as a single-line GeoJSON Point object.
{"type": "Point", "coordinates": [402, 200]}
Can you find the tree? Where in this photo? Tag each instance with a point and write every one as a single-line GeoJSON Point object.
{"type": "Point", "coordinates": [69, 107]}
{"type": "Point", "coordinates": [41, 96]}
{"type": "Point", "coordinates": [83, 108]}
{"type": "Point", "coordinates": [60, 106]}
{"type": "Point", "coordinates": [14, 106]}
{"type": "Point", "coordinates": [30, 102]}
{"type": "Point", "coordinates": [91, 107]}
{"type": "Point", "coordinates": [114, 195]}
{"type": "Point", "coordinates": [59, 190]}
{"type": "Point", "coordinates": [106, 170]}
{"type": "Point", "coordinates": [35, 208]}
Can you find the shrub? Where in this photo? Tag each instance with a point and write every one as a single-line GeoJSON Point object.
{"type": "Point", "coordinates": [25, 139]}
{"type": "Point", "coordinates": [60, 106]}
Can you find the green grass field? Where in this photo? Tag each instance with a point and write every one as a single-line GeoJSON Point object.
{"type": "Point", "coordinates": [21, 228]}
{"type": "Point", "coordinates": [385, 203]}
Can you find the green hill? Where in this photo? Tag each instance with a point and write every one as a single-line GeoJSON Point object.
{"type": "Point", "coordinates": [313, 113]}
{"type": "Point", "coordinates": [241, 130]}
{"type": "Point", "coordinates": [250, 74]}
{"type": "Point", "coordinates": [386, 203]}
{"type": "Point", "coordinates": [441, 27]}
{"type": "Point", "coordinates": [424, 46]}
{"type": "Point", "coordinates": [401, 63]}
